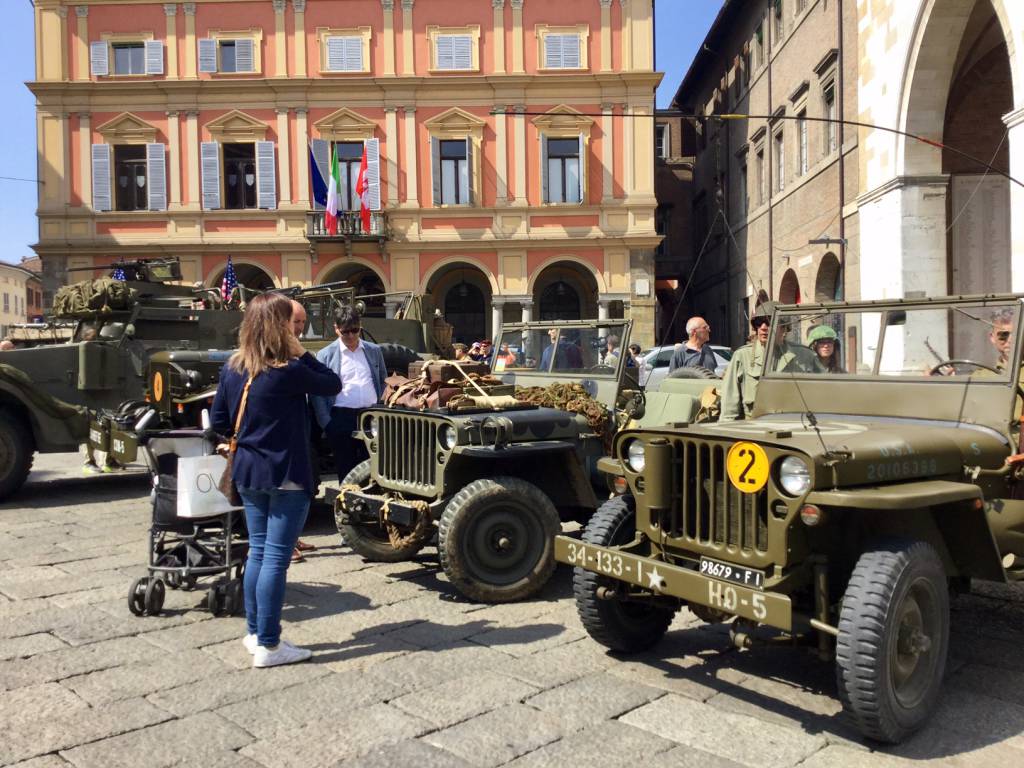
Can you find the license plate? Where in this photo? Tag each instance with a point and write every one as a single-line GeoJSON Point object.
{"type": "Point", "coordinates": [737, 574]}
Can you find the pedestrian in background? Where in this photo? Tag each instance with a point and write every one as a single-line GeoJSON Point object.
{"type": "Point", "coordinates": [268, 379]}
{"type": "Point", "coordinates": [298, 328]}
{"type": "Point", "coordinates": [696, 352]}
{"type": "Point", "coordinates": [360, 366]}
{"type": "Point", "coordinates": [461, 351]}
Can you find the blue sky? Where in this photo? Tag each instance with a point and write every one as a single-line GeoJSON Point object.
{"type": "Point", "coordinates": [681, 26]}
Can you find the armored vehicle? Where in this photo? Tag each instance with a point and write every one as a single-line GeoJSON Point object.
{"type": "Point", "coordinates": [844, 510]}
{"type": "Point", "coordinates": [47, 391]}
{"type": "Point", "coordinates": [498, 479]}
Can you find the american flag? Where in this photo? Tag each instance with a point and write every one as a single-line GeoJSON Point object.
{"type": "Point", "coordinates": [119, 274]}
{"type": "Point", "coordinates": [227, 285]}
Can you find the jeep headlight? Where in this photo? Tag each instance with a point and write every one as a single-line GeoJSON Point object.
{"type": "Point", "coordinates": [635, 457]}
{"type": "Point", "coordinates": [447, 437]}
{"type": "Point", "coordinates": [370, 427]}
{"type": "Point", "coordinates": [794, 476]}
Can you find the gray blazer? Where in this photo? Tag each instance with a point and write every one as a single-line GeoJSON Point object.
{"type": "Point", "coordinates": [330, 356]}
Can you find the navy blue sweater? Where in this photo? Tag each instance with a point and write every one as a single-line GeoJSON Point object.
{"type": "Point", "coordinates": [273, 442]}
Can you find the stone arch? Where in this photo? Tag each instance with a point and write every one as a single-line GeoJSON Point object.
{"type": "Point", "coordinates": [462, 289]}
{"type": "Point", "coordinates": [789, 288]}
{"type": "Point", "coordinates": [531, 285]}
{"type": "Point", "coordinates": [447, 262]}
{"type": "Point", "coordinates": [251, 274]}
{"type": "Point", "coordinates": [828, 285]}
{"type": "Point", "coordinates": [362, 275]}
{"type": "Point", "coordinates": [564, 289]}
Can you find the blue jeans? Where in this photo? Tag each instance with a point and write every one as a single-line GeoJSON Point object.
{"type": "Point", "coordinates": [275, 519]}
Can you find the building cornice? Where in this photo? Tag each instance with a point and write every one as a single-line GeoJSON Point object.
{"type": "Point", "coordinates": [902, 182]}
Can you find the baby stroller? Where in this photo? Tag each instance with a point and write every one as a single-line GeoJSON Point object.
{"type": "Point", "coordinates": [186, 551]}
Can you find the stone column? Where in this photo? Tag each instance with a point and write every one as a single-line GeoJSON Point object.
{"type": "Point", "coordinates": [501, 154]}
{"type": "Point", "coordinates": [627, 34]}
{"type": "Point", "coordinates": [65, 64]}
{"type": "Point", "coordinates": [299, 6]}
{"type": "Point", "coordinates": [85, 157]}
{"type": "Point", "coordinates": [1015, 122]}
{"type": "Point", "coordinates": [606, 35]}
{"type": "Point", "coordinates": [408, 60]}
{"type": "Point", "coordinates": [82, 43]}
{"type": "Point", "coordinates": [171, 11]}
{"type": "Point", "coordinates": [391, 308]}
{"type": "Point", "coordinates": [388, 7]}
{"type": "Point", "coordinates": [280, 40]}
{"type": "Point", "coordinates": [190, 42]}
{"type": "Point", "coordinates": [391, 155]}
{"type": "Point", "coordinates": [517, 37]}
{"type": "Point", "coordinates": [192, 140]}
{"type": "Point", "coordinates": [497, 315]}
{"type": "Point", "coordinates": [602, 308]}
{"type": "Point", "coordinates": [628, 151]}
{"type": "Point", "coordinates": [412, 195]}
{"type": "Point", "coordinates": [499, 36]}
{"type": "Point", "coordinates": [284, 156]}
{"type": "Point", "coordinates": [302, 147]}
{"type": "Point", "coordinates": [519, 129]}
{"type": "Point", "coordinates": [607, 153]}
{"type": "Point", "coordinates": [174, 159]}
{"type": "Point", "coordinates": [527, 303]}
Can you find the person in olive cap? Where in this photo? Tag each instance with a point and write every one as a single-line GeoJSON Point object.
{"type": "Point", "coordinates": [739, 385]}
{"type": "Point", "coordinates": [825, 342]}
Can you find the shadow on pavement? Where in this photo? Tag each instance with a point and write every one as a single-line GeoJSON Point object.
{"type": "Point", "coordinates": [46, 489]}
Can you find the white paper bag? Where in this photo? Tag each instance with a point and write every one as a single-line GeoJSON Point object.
{"type": "Point", "coordinates": [198, 494]}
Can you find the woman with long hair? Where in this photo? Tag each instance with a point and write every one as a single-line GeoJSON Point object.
{"type": "Point", "coordinates": [825, 342]}
{"type": "Point", "coordinates": [268, 379]}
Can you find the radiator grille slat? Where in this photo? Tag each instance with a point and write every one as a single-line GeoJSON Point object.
{"type": "Point", "coordinates": [406, 451]}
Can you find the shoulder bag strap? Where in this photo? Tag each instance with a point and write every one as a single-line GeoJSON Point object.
{"type": "Point", "coordinates": [233, 446]}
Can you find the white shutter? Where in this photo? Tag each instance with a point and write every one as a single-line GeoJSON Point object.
{"type": "Point", "coordinates": [266, 176]}
{"type": "Point", "coordinates": [445, 52]}
{"type": "Point", "coordinates": [101, 177]}
{"type": "Point", "coordinates": [245, 61]}
{"type": "Point", "coordinates": [207, 55]}
{"type": "Point", "coordinates": [468, 173]}
{"type": "Point", "coordinates": [544, 197]}
{"type": "Point", "coordinates": [373, 173]}
{"type": "Point", "coordinates": [336, 54]}
{"type": "Point", "coordinates": [583, 166]}
{"type": "Point", "coordinates": [99, 58]}
{"type": "Point", "coordinates": [353, 54]}
{"type": "Point", "coordinates": [462, 52]}
{"type": "Point", "coordinates": [209, 152]}
{"type": "Point", "coordinates": [154, 57]}
{"type": "Point", "coordinates": [435, 168]}
{"type": "Point", "coordinates": [320, 157]}
{"type": "Point", "coordinates": [571, 51]}
{"type": "Point", "coordinates": [156, 176]}
{"type": "Point", "coordinates": [553, 52]}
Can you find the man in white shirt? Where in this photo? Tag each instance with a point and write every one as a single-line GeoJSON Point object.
{"type": "Point", "coordinates": [360, 366]}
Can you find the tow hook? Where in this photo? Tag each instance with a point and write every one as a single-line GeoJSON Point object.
{"type": "Point", "coordinates": [607, 593]}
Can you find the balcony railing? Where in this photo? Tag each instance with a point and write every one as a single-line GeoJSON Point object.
{"type": "Point", "coordinates": [350, 226]}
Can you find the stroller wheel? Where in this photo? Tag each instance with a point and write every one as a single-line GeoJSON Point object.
{"type": "Point", "coordinates": [172, 578]}
{"type": "Point", "coordinates": [233, 599]}
{"type": "Point", "coordinates": [215, 600]}
{"type": "Point", "coordinates": [154, 600]}
{"type": "Point", "coordinates": [137, 596]}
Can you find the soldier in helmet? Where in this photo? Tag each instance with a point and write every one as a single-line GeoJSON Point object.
{"type": "Point", "coordinates": [825, 342]}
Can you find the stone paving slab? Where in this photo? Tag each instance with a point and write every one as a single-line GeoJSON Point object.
{"type": "Point", "coordinates": [29, 645]}
{"type": "Point", "coordinates": [592, 700]}
{"type": "Point", "coordinates": [66, 662]}
{"type": "Point", "coordinates": [464, 698]}
{"type": "Point", "coordinates": [413, 752]}
{"type": "Point", "coordinates": [611, 743]}
{"type": "Point", "coordinates": [500, 736]}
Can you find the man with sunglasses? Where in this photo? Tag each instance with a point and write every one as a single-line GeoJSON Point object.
{"type": "Point", "coordinates": [360, 366]}
{"type": "Point", "coordinates": [739, 385]}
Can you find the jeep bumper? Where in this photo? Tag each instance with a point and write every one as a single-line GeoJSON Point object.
{"type": "Point", "coordinates": [661, 578]}
{"type": "Point", "coordinates": [359, 507]}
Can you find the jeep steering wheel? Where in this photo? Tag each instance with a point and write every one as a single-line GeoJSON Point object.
{"type": "Point", "coordinates": [935, 369]}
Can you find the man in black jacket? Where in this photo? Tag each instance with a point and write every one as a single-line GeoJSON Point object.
{"type": "Point", "coordinates": [696, 352]}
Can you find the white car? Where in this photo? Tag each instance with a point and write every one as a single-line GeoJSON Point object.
{"type": "Point", "coordinates": [656, 362]}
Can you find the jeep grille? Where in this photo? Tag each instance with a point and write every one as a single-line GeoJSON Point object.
{"type": "Point", "coordinates": [708, 512]}
{"type": "Point", "coordinates": [408, 451]}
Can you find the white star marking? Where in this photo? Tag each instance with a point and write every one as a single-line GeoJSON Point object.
{"type": "Point", "coordinates": [656, 581]}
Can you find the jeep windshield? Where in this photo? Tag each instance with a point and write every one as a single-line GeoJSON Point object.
{"type": "Point", "coordinates": [591, 351]}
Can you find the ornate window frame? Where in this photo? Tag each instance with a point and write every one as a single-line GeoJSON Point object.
{"type": "Point", "coordinates": [541, 31]}
{"type": "Point", "coordinates": [365, 33]}
{"type": "Point", "coordinates": [471, 30]}
{"type": "Point", "coordinates": [253, 33]}
{"type": "Point", "coordinates": [112, 38]}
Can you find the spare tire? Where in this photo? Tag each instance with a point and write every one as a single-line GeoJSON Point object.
{"type": "Point", "coordinates": [397, 358]}
{"type": "Point", "coordinates": [696, 372]}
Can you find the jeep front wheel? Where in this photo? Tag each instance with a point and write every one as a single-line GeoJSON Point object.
{"type": "Point", "coordinates": [16, 450]}
{"type": "Point", "coordinates": [615, 622]}
{"type": "Point", "coordinates": [893, 639]}
{"type": "Point", "coordinates": [373, 541]}
{"type": "Point", "coordinates": [496, 539]}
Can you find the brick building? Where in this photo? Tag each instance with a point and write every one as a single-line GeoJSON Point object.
{"type": "Point", "coordinates": [509, 174]}
{"type": "Point", "coordinates": [779, 179]}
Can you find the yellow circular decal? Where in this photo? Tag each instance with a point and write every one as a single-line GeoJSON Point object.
{"type": "Point", "coordinates": [747, 465]}
{"type": "Point", "coordinates": [158, 387]}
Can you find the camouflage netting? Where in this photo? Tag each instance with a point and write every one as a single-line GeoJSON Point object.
{"type": "Point", "coordinates": [572, 398]}
{"type": "Point", "coordinates": [101, 295]}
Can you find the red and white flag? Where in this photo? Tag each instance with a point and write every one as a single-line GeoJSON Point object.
{"type": "Point", "coordinates": [363, 190]}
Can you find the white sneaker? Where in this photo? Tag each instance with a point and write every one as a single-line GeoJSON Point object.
{"type": "Point", "coordinates": [283, 653]}
{"type": "Point", "coordinates": [251, 643]}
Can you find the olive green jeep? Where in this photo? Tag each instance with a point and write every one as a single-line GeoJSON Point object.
{"type": "Point", "coordinates": [845, 509]}
{"type": "Point", "coordinates": [499, 481]}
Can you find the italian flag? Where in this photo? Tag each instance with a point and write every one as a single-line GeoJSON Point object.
{"type": "Point", "coordinates": [333, 185]}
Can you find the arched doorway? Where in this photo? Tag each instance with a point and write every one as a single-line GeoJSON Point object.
{"type": "Point", "coordinates": [364, 280]}
{"type": "Point", "coordinates": [789, 289]}
{"type": "Point", "coordinates": [828, 285]}
{"type": "Point", "coordinates": [463, 292]}
{"type": "Point", "coordinates": [565, 290]}
{"type": "Point", "coordinates": [253, 277]}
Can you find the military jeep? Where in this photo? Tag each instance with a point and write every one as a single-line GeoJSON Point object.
{"type": "Point", "coordinates": [498, 480]}
{"type": "Point", "coordinates": [844, 510]}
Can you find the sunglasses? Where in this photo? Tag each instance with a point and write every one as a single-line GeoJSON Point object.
{"type": "Point", "coordinates": [1002, 335]}
{"type": "Point", "coordinates": [757, 322]}
{"type": "Point", "coordinates": [351, 331]}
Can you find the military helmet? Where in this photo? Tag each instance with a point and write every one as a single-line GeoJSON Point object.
{"type": "Point", "coordinates": [822, 333]}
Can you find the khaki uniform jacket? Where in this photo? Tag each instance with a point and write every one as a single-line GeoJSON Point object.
{"type": "Point", "coordinates": [739, 385]}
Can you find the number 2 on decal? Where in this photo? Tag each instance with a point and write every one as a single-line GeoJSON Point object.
{"type": "Point", "coordinates": [748, 454]}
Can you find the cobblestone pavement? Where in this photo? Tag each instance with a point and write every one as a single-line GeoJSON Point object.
{"type": "Point", "coordinates": [408, 673]}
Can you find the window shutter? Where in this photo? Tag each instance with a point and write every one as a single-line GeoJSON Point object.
{"type": "Point", "coordinates": [245, 60]}
{"type": "Point", "coordinates": [209, 152]}
{"type": "Point", "coordinates": [571, 51]}
{"type": "Point", "coordinates": [445, 52]}
{"type": "Point", "coordinates": [101, 177]}
{"type": "Point", "coordinates": [462, 52]}
{"type": "Point", "coordinates": [154, 57]}
{"type": "Point", "coordinates": [468, 172]}
{"type": "Point", "coordinates": [583, 168]}
{"type": "Point", "coordinates": [353, 54]}
{"type": "Point", "coordinates": [99, 58]}
{"type": "Point", "coordinates": [544, 197]}
{"type": "Point", "coordinates": [435, 166]}
{"type": "Point", "coordinates": [320, 161]}
{"type": "Point", "coordinates": [156, 176]}
{"type": "Point", "coordinates": [266, 176]}
{"type": "Point", "coordinates": [373, 173]}
{"type": "Point", "coordinates": [335, 54]}
{"type": "Point", "coordinates": [553, 52]}
{"type": "Point", "coordinates": [207, 55]}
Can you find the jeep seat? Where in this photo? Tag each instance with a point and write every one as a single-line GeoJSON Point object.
{"type": "Point", "coordinates": [676, 400]}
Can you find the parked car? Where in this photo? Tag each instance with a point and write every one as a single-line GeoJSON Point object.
{"type": "Point", "coordinates": [656, 363]}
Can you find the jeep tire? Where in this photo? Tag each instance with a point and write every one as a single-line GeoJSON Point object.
{"type": "Point", "coordinates": [622, 625]}
{"type": "Point", "coordinates": [397, 358]}
{"type": "Point", "coordinates": [16, 453]}
{"type": "Point", "coordinates": [692, 372]}
{"type": "Point", "coordinates": [371, 541]}
{"type": "Point", "coordinates": [496, 539]}
{"type": "Point", "coordinates": [893, 639]}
